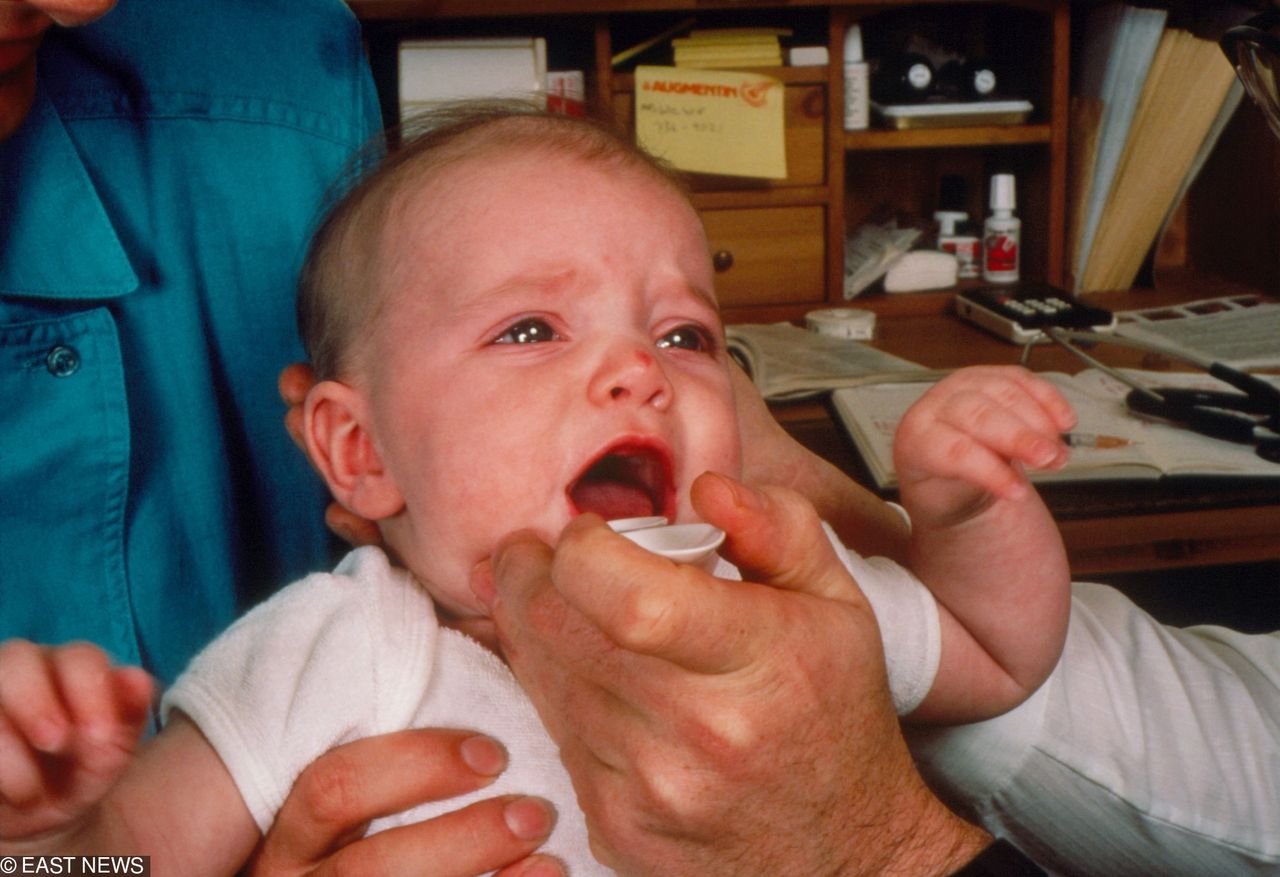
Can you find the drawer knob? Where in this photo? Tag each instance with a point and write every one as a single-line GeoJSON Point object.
{"type": "Point", "coordinates": [722, 260]}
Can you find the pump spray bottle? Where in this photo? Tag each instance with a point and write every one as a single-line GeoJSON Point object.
{"type": "Point", "coordinates": [1002, 234]}
{"type": "Point", "coordinates": [856, 86]}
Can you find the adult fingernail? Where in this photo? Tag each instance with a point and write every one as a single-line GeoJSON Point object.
{"type": "Point", "coordinates": [484, 755]}
{"type": "Point", "coordinates": [482, 583]}
{"type": "Point", "coordinates": [743, 497]}
{"type": "Point", "coordinates": [529, 818]}
{"type": "Point", "coordinates": [542, 867]}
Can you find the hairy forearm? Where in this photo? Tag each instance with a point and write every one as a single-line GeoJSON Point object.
{"type": "Point", "coordinates": [940, 845]}
{"type": "Point", "coordinates": [914, 835]}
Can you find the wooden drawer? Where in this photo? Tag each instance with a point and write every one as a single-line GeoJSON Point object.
{"type": "Point", "coordinates": [767, 255]}
{"type": "Point", "coordinates": [805, 111]}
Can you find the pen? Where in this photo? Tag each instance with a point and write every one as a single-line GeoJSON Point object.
{"type": "Point", "coordinates": [1090, 440]}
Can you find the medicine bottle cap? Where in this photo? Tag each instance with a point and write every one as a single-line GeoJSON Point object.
{"type": "Point", "coordinates": [949, 220]}
{"type": "Point", "coordinates": [853, 44]}
{"type": "Point", "coordinates": [1003, 192]}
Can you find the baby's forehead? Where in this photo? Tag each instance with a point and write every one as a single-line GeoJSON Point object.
{"type": "Point", "coordinates": [499, 180]}
{"type": "Point", "coordinates": [443, 192]}
{"type": "Point", "coordinates": [496, 166]}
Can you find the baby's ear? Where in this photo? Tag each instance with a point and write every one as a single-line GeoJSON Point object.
{"type": "Point", "coordinates": [339, 441]}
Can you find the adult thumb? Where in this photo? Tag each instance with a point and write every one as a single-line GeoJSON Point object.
{"type": "Point", "coordinates": [774, 537]}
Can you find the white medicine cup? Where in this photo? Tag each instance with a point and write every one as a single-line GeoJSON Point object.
{"type": "Point", "coordinates": [684, 543]}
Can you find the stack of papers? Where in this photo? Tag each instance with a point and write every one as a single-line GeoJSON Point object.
{"type": "Point", "coordinates": [1242, 331]}
{"type": "Point", "coordinates": [786, 362]}
{"type": "Point", "coordinates": [729, 48]}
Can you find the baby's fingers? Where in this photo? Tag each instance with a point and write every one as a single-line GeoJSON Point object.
{"type": "Point", "coordinates": [1011, 428]}
{"type": "Point", "coordinates": [1036, 401]}
{"type": "Point", "coordinates": [29, 697]}
{"type": "Point", "coordinates": [1048, 399]}
{"type": "Point", "coordinates": [1008, 410]}
{"type": "Point", "coordinates": [954, 454]}
{"type": "Point", "coordinates": [135, 690]}
{"type": "Point", "coordinates": [109, 706]}
{"type": "Point", "coordinates": [21, 779]}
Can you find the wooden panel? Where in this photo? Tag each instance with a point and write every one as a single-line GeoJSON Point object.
{"type": "Point", "coordinates": [776, 252]}
{"type": "Point", "coordinates": [1162, 541]}
{"type": "Point", "coordinates": [805, 112]}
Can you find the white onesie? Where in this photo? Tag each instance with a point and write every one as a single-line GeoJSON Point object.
{"type": "Point", "coordinates": [358, 652]}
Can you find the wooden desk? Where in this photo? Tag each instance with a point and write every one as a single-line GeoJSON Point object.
{"type": "Point", "coordinates": [1108, 527]}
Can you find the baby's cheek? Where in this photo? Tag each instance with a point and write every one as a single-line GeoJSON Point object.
{"type": "Point", "coordinates": [732, 462]}
{"type": "Point", "coordinates": [719, 443]}
{"type": "Point", "coordinates": [730, 434]}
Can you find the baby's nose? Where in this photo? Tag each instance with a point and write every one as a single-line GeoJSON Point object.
{"type": "Point", "coordinates": [630, 373]}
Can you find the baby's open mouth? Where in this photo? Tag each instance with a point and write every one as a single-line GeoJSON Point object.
{"type": "Point", "coordinates": [628, 481]}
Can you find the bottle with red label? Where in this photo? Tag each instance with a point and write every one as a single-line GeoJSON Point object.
{"type": "Point", "coordinates": [1002, 234]}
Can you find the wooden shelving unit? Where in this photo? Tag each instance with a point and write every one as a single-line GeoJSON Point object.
{"type": "Point", "coordinates": [782, 242]}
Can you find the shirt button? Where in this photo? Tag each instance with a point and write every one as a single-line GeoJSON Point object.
{"type": "Point", "coordinates": [62, 361]}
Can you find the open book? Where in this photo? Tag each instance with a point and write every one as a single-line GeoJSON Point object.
{"type": "Point", "coordinates": [787, 362]}
{"type": "Point", "coordinates": [1129, 447]}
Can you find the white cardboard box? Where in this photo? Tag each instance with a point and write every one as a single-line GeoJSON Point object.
{"type": "Point", "coordinates": [436, 71]}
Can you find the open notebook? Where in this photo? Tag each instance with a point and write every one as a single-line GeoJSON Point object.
{"type": "Point", "coordinates": [1132, 448]}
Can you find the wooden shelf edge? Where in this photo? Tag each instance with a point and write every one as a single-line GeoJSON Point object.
{"type": "Point", "coordinates": [764, 196]}
{"type": "Point", "coordinates": [914, 304]}
{"type": "Point", "coordinates": [905, 304]}
{"type": "Point", "coordinates": [933, 138]}
{"type": "Point", "coordinates": [624, 83]}
{"type": "Point", "coordinates": [426, 9]}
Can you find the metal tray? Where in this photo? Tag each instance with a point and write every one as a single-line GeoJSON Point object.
{"type": "Point", "coordinates": [952, 115]}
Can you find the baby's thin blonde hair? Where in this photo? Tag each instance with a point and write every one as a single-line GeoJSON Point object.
{"type": "Point", "coordinates": [337, 292]}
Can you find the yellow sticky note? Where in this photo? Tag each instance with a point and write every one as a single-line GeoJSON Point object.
{"type": "Point", "coordinates": [712, 121]}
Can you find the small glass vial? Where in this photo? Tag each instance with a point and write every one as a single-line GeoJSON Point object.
{"type": "Point", "coordinates": [956, 238]}
{"type": "Point", "coordinates": [1002, 234]}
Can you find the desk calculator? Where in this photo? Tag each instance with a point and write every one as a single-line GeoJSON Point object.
{"type": "Point", "coordinates": [1017, 313]}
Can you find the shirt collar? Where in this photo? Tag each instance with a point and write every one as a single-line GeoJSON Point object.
{"type": "Point", "coordinates": [56, 239]}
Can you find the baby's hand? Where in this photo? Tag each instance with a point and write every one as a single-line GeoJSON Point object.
{"type": "Point", "coordinates": [967, 439]}
{"type": "Point", "coordinates": [69, 724]}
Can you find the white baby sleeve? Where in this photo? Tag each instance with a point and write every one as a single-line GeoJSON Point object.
{"type": "Point", "coordinates": [308, 670]}
{"type": "Point", "coordinates": [909, 627]}
{"type": "Point", "coordinates": [907, 616]}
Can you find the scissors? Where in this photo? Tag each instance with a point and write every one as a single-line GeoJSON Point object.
{"type": "Point", "coordinates": [1250, 417]}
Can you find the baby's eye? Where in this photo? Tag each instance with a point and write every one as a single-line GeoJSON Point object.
{"type": "Point", "coordinates": [687, 337]}
{"type": "Point", "coordinates": [530, 330]}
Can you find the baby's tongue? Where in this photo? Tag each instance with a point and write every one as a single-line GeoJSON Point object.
{"type": "Point", "coordinates": [613, 499]}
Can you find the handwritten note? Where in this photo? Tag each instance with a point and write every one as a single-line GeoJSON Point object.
{"type": "Point", "coordinates": [712, 121]}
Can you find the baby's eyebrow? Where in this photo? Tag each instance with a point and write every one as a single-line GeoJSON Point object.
{"type": "Point", "coordinates": [707, 296]}
{"type": "Point", "coordinates": [683, 287]}
{"type": "Point", "coordinates": [543, 286]}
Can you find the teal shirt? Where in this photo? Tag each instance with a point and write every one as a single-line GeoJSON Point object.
{"type": "Point", "coordinates": [154, 209]}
